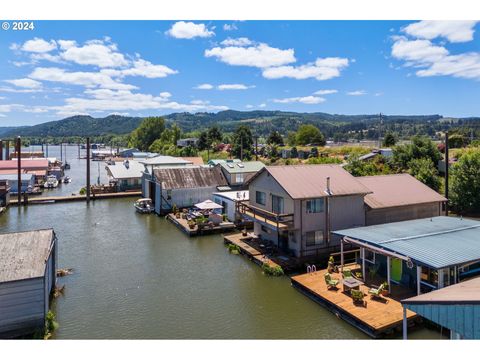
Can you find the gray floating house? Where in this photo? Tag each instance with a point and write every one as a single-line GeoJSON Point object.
{"type": "Point", "coordinates": [28, 262]}
{"type": "Point", "coordinates": [239, 172]}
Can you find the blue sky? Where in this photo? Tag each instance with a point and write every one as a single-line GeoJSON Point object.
{"type": "Point", "coordinates": [140, 68]}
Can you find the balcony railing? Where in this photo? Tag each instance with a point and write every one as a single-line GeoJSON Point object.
{"type": "Point", "coordinates": [280, 221]}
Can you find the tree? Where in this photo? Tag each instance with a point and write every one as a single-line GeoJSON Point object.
{"type": "Point", "coordinates": [457, 141]}
{"type": "Point", "coordinates": [214, 135]}
{"type": "Point", "coordinates": [294, 152]}
{"type": "Point", "coordinates": [313, 152]}
{"type": "Point", "coordinates": [291, 138]}
{"type": "Point", "coordinates": [465, 183]}
{"type": "Point", "coordinates": [420, 147]}
{"type": "Point", "coordinates": [150, 129]}
{"type": "Point", "coordinates": [242, 142]}
{"type": "Point", "coordinates": [389, 140]}
{"type": "Point", "coordinates": [203, 141]}
{"type": "Point", "coordinates": [425, 171]}
{"type": "Point", "coordinates": [275, 138]}
{"type": "Point", "coordinates": [309, 134]}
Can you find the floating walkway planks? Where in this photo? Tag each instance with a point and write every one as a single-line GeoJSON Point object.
{"type": "Point", "coordinates": [376, 318]}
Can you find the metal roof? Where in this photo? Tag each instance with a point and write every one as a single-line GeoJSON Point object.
{"type": "Point", "coordinates": [165, 160]}
{"type": "Point", "coordinates": [234, 195]}
{"type": "Point", "coordinates": [436, 242]}
{"type": "Point", "coordinates": [310, 181]}
{"type": "Point", "coordinates": [242, 167]}
{"type": "Point", "coordinates": [397, 190]}
{"type": "Point", "coordinates": [25, 163]}
{"type": "Point", "coordinates": [121, 171]}
{"type": "Point", "coordinates": [190, 177]}
{"type": "Point", "coordinates": [14, 177]}
{"type": "Point", "coordinates": [23, 255]}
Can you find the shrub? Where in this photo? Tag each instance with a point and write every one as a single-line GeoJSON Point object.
{"type": "Point", "coordinates": [233, 249]}
{"type": "Point", "coordinates": [272, 270]}
{"type": "Point", "coordinates": [50, 324]}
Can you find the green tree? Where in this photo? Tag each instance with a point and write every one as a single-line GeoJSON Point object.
{"type": "Point", "coordinates": [309, 134]}
{"type": "Point", "coordinates": [294, 152]}
{"type": "Point", "coordinates": [389, 140]}
{"type": "Point", "coordinates": [457, 141]}
{"type": "Point", "coordinates": [150, 129]}
{"type": "Point", "coordinates": [420, 147]}
{"type": "Point", "coordinates": [203, 141]}
{"type": "Point", "coordinates": [425, 171]}
{"type": "Point", "coordinates": [275, 138]}
{"type": "Point", "coordinates": [242, 142]}
{"type": "Point", "coordinates": [465, 183]}
{"type": "Point", "coordinates": [214, 135]}
{"type": "Point", "coordinates": [292, 138]}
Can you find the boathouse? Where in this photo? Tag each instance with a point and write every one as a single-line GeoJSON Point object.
{"type": "Point", "coordinates": [27, 182]}
{"type": "Point", "coordinates": [181, 186]}
{"type": "Point", "coordinates": [28, 262]}
{"type": "Point", "coordinates": [399, 197]}
{"type": "Point", "coordinates": [4, 193]}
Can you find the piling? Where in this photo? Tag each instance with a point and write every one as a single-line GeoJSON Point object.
{"type": "Point", "coordinates": [61, 152]}
{"type": "Point", "coordinates": [7, 150]}
{"type": "Point", "coordinates": [1, 149]}
{"type": "Point", "coordinates": [88, 170]}
{"type": "Point", "coordinates": [19, 170]}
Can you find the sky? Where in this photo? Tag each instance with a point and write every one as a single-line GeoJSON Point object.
{"type": "Point", "coordinates": [143, 68]}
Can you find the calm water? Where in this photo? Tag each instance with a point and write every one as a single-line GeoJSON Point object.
{"type": "Point", "coordinates": [137, 276]}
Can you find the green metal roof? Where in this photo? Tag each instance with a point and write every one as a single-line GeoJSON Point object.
{"type": "Point", "coordinates": [436, 242]}
{"type": "Point", "coordinates": [242, 167]}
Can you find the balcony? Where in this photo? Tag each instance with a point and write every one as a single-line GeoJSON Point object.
{"type": "Point", "coordinates": [281, 222]}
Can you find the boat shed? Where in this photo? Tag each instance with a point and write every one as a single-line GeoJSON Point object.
{"type": "Point", "coordinates": [422, 254]}
{"type": "Point", "coordinates": [456, 308]}
{"type": "Point", "coordinates": [28, 262]}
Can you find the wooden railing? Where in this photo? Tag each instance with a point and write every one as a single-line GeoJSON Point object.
{"type": "Point", "coordinates": [279, 220]}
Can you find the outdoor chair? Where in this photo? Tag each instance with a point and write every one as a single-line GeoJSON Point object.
{"type": "Point", "coordinates": [347, 273]}
{"type": "Point", "coordinates": [357, 295]}
{"type": "Point", "coordinates": [376, 292]}
{"type": "Point", "coordinates": [331, 283]}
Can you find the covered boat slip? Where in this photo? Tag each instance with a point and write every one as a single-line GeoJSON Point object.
{"type": "Point", "coordinates": [423, 254]}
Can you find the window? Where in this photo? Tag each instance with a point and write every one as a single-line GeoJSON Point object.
{"type": "Point", "coordinates": [314, 238]}
{"type": "Point", "coordinates": [429, 276]}
{"type": "Point", "coordinates": [315, 206]}
{"type": "Point", "coordinates": [240, 178]}
{"type": "Point", "coordinates": [260, 198]}
{"type": "Point", "coordinates": [169, 194]}
{"type": "Point", "coordinates": [277, 204]}
{"type": "Point", "coordinates": [369, 256]}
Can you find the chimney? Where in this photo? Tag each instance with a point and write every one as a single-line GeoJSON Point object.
{"type": "Point", "coordinates": [328, 186]}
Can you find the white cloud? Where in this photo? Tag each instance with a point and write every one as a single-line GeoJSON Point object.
{"type": "Point", "coordinates": [453, 31]}
{"type": "Point", "coordinates": [142, 68]}
{"type": "Point", "coordinates": [45, 56]}
{"type": "Point", "coordinates": [87, 79]}
{"type": "Point", "coordinates": [262, 105]}
{"type": "Point", "coordinates": [242, 41]}
{"type": "Point", "coordinates": [249, 106]}
{"type": "Point", "coordinates": [189, 30]}
{"type": "Point", "coordinates": [204, 87]}
{"type": "Point", "coordinates": [310, 100]}
{"type": "Point", "coordinates": [230, 27]}
{"type": "Point", "coordinates": [95, 52]}
{"type": "Point", "coordinates": [422, 51]}
{"type": "Point", "coordinates": [234, 87]}
{"type": "Point", "coordinates": [357, 93]}
{"type": "Point", "coordinates": [37, 45]}
{"type": "Point", "coordinates": [321, 69]}
{"type": "Point", "coordinates": [25, 83]}
{"type": "Point", "coordinates": [66, 44]}
{"type": "Point", "coordinates": [325, 92]}
{"type": "Point", "coordinates": [261, 55]}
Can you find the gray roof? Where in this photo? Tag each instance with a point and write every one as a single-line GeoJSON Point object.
{"type": "Point", "coordinates": [242, 167]}
{"type": "Point", "coordinates": [165, 160]}
{"type": "Point", "coordinates": [120, 171]}
{"type": "Point", "coordinates": [14, 177]}
{"type": "Point", "coordinates": [436, 242]}
{"type": "Point", "coordinates": [190, 177]}
{"type": "Point", "coordinates": [23, 255]}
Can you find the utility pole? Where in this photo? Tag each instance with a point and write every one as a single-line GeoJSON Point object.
{"type": "Point", "coordinates": [46, 145]}
{"type": "Point", "coordinates": [88, 170]}
{"type": "Point", "coordinates": [446, 172]}
{"type": "Point", "coordinates": [241, 148]}
{"type": "Point", "coordinates": [256, 148]}
{"type": "Point", "coordinates": [61, 151]}
{"type": "Point", "coordinates": [19, 170]}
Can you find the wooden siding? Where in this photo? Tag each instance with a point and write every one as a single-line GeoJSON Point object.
{"type": "Point", "coordinates": [402, 213]}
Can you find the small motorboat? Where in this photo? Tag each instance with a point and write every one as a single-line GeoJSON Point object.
{"type": "Point", "coordinates": [51, 182]}
{"type": "Point", "coordinates": [144, 206]}
{"type": "Point", "coordinates": [67, 179]}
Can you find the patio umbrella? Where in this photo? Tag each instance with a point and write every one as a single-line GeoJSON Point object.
{"type": "Point", "coordinates": [208, 205]}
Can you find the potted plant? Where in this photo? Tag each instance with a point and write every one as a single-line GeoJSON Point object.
{"type": "Point", "coordinates": [331, 264]}
{"type": "Point", "coordinates": [244, 231]}
{"type": "Point", "coordinates": [184, 213]}
{"type": "Point", "coordinates": [191, 224]}
{"type": "Point", "coordinates": [386, 289]}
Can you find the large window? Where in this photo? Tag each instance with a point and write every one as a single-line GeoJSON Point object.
{"type": "Point", "coordinates": [369, 256]}
{"type": "Point", "coordinates": [314, 238]}
{"type": "Point", "coordinates": [240, 178]}
{"type": "Point", "coordinates": [260, 198]}
{"type": "Point", "coordinates": [277, 204]}
{"type": "Point", "coordinates": [315, 206]}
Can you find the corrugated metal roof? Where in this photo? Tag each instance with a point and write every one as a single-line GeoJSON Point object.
{"type": "Point", "coordinates": [165, 160]}
{"type": "Point", "coordinates": [437, 242]}
{"type": "Point", "coordinates": [23, 254]}
{"type": "Point", "coordinates": [464, 292]}
{"type": "Point", "coordinates": [26, 164]}
{"type": "Point", "coordinates": [120, 171]}
{"type": "Point", "coordinates": [242, 167]}
{"type": "Point", "coordinates": [310, 181]}
{"type": "Point", "coordinates": [14, 177]}
{"type": "Point", "coordinates": [190, 177]}
{"type": "Point", "coordinates": [397, 190]}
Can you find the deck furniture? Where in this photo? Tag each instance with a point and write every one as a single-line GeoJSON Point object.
{"type": "Point", "coordinates": [347, 273]}
{"type": "Point", "coordinates": [350, 284]}
{"type": "Point", "coordinates": [357, 295]}
{"type": "Point", "coordinates": [376, 292]}
{"type": "Point", "coordinates": [331, 283]}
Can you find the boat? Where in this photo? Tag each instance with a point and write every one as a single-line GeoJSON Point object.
{"type": "Point", "coordinates": [51, 182]}
{"type": "Point", "coordinates": [144, 206]}
{"type": "Point", "coordinates": [67, 179]}
{"type": "Point", "coordinates": [67, 166]}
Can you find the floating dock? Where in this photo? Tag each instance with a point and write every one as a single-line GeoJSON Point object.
{"type": "Point", "coordinates": [182, 224]}
{"type": "Point", "coordinates": [377, 318]}
{"type": "Point", "coordinates": [55, 199]}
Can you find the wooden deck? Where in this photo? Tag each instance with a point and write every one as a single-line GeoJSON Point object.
{"type": "Point", "coordinates": [377, 318]}
{"type": "Point", "coordinates": [67, 198]}
{"type": "Point", "coordinates": [182, 224]}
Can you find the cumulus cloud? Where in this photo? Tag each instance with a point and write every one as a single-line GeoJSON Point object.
{"type": "Point", "coordinates": [97, 53]}
{"type": "Point", "coordinates": [234, 87]}
{"type": "Point", "coordinates": [325, 92]}
{"type": "Point", "coordinates": [204, 87]}
{"type": "Point", "coordinates": [357, 93]}
{"type": "Point", "coordinates": [25, 83]}
{"type": "Point", "coordinates": [142, 68]}
{"type": "Point", "coordinates": [321, 69]}
{"type": "Point", "coordinates": [453, 31]}
{"type": "Point", "coordinates": [260, 55]}
{"type": "Point", "coordinates": [242, 41]}
{"type": "Point", "coordinates": [310, 100]}
{"type": "Point", "coordinates": [37, 45]}
{"type": "Point", "coordinates": [230, 27]}
{"type": "Point", "coordinates": [189, 30]}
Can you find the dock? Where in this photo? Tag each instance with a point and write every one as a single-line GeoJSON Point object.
{"type": "Point", "coordinates": [182, 224]}
{"type": "Point", "coordinates": [68, 198]}
{"type": "Point", "coordinates": [377, 318]}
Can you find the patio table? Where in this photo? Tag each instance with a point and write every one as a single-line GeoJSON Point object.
{"type": "Point", "coordinates": [351, 283]}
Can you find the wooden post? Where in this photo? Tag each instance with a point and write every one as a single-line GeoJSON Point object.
{"type": "Point", "coordinates": [419, 272]}
{"type": "Point", "coordinates": [341, 254]}
{"type": "Point", "coordinates": [446, 172]}
{"type": "Point", "coordinates": [388, 274]}
{"type": "Point", "coordinates": [7, 150]}
{"type": "Point", "coordinates": [19, 170]}
{"type": "Point", "coordinates": [61, 152]}
{"type": "Point", "coordinates": [362, 254]}
{"type": "Point", "coordinates": [88, 170]}
{"type": "Point", "coordinates": [256, 148]}
{"type": "Point", "coordinates": [405, 324]}
{"type": "Point", "coordinates": [1, 149]}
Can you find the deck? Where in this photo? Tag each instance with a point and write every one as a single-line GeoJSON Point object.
{"type": "Point", "coordinates": [377, 318]}
{"type": "Point", "coordinates": [182, 224]}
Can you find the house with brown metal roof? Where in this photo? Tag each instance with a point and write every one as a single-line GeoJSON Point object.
{"type": "Point", "coordinates": [399, 197]}
{"type": "Point", "coordinates": [182, 186]}
{"type": "Point", "coordinates": [296, 207]}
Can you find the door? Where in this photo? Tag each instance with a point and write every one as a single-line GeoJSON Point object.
{"type": "Point", "coordinates": [277, 204]}
{"type": "Point", "coordinates": [151, 192]}
{"type": "Point", "coordinates": [396, 269]}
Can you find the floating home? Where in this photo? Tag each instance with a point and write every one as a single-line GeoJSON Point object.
{"type": "Point", "coordinates": [4, 193]}
{"type": "Point", "coordinates": [181, 186]}
{"type": "Point", "coordinates": [28, 262]}
{"type": "Point", "coordinates": [27, 182]}
{"type": "Point", "coordinates": [37, 167]}
{"type": "Point", "coordinates": [238, 173]}
{"type": "Point", "coordinates": [229, 201]}
{"type": "Point", "coordinates": [126, 175]}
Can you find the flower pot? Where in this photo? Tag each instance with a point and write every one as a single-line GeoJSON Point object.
{"type": "Point", "coordinates": [385, 292]}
